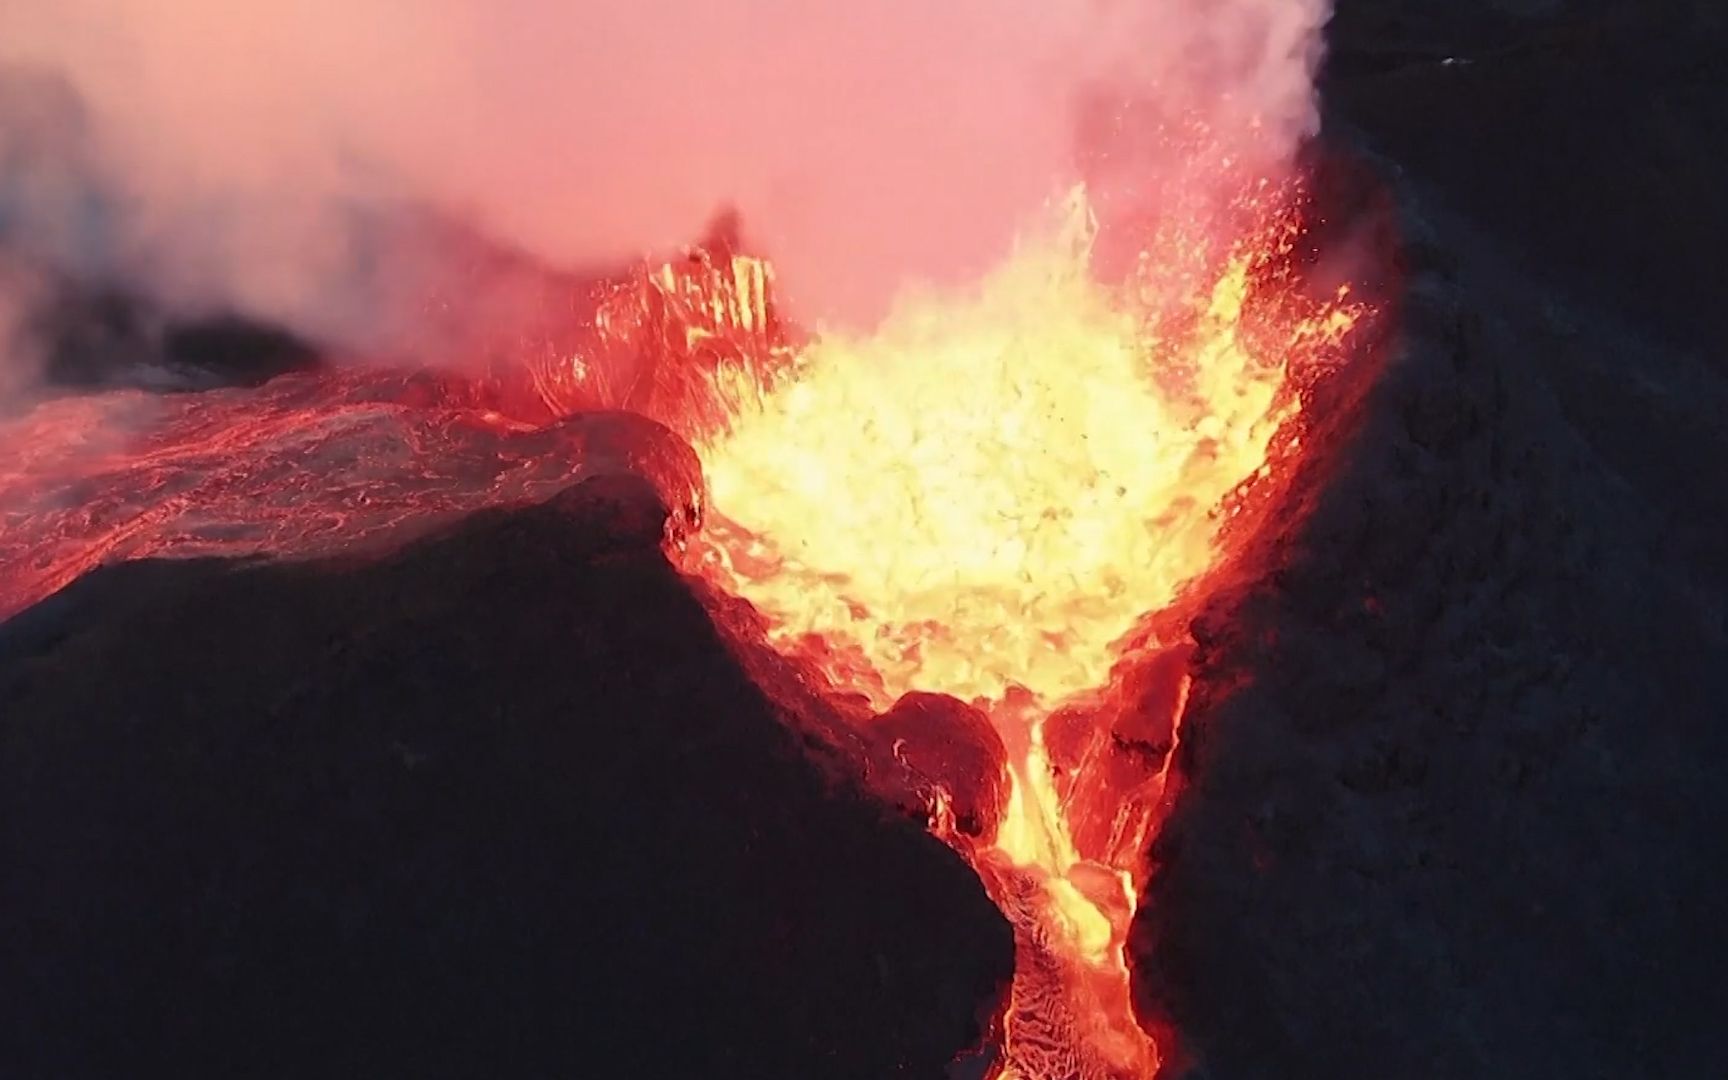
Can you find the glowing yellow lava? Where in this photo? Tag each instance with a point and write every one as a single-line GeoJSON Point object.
{"type": "Point", "coordinates": [992, 488]}
{"type": "Point", "coordinates": [981, 498]}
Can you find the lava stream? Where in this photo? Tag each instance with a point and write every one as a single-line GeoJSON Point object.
{"type": "Point", "coordinates": [982, 499]}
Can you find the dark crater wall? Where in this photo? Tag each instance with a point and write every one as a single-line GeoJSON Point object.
{"type": "Point", "coordinates": [1451, 806]}
{"type": "Point", "coordinates": [501, 804]}
{"type": "Point", "coordinates": [1451, 803]}
{"type": "Point", "coordinates": [1587, 135]}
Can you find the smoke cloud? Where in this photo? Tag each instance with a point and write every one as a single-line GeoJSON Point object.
{"type": "Point", "coordinates": [239, 158]}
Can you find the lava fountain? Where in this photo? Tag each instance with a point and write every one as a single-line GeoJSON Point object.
{"type": "Point", "coordinates": [984, 499]}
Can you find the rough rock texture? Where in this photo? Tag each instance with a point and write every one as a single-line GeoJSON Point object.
{"type": "Point", "coordinates": [1575, 157]}
{"type": "Point", "coordinates": [501, 804]}
{"type": "Point", "coordinates": [933, 742]}
{"type": "Point", "coordinates": [1586, 135]}
{"type": "Point", "coordinates": [1449, 804]}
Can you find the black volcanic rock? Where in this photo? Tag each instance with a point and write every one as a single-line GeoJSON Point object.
{"type": "Point", "coordinates": [95, 337]}
{"type": "Point", "coordinates": [1450, 798]}
{"type": "Point", "coordinates": [234, 351]}
{"type": "Point", "coordinates": [1585, 135]}
{"type": "Point", "coordinates": [501, 804]}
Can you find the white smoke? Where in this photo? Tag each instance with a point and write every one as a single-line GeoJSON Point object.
{"type": "Point", "coordinates": [20, 298]}
{"type": "Point", "coordinates": [227, 156]}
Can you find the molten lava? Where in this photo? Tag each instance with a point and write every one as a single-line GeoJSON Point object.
{"type": "Point", "coordinates": [988, 493]}
{"type": "Point", "coordinates": [983, 499]}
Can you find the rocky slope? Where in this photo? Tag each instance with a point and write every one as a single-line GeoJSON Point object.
{"type": "Point", "coordinates": [500, 804]}
{"type": "Point", "coordinates": [1450, 804]}
{"type": "Point", "coordinates": [1450, 795]}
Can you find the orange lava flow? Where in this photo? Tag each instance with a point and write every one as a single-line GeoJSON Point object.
{"type": "Point", "coordinates": [981, 499]}
{"type": "Point", "coordinates": [985, 498]}
{"type": "Point", "coordinates": [355, 457]}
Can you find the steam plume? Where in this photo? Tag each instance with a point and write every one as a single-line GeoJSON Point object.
{"type": "Point", "coordinates": [237, 158]}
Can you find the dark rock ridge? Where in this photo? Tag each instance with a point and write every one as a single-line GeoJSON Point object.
{"type": "Point", "coordinates": [1449, 804]}
{"type": "Point", "coordinates": [1449, 801]}
{"type": "Point", "coordinates": [500, 804]}
{"type": "Point", "coordinates": [1585, 135]}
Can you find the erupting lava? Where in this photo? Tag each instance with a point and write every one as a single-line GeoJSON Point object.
{"type": "Point", "coordinates": [983, 499]}
{"type": "Point", "coordinates": [988, 493]}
